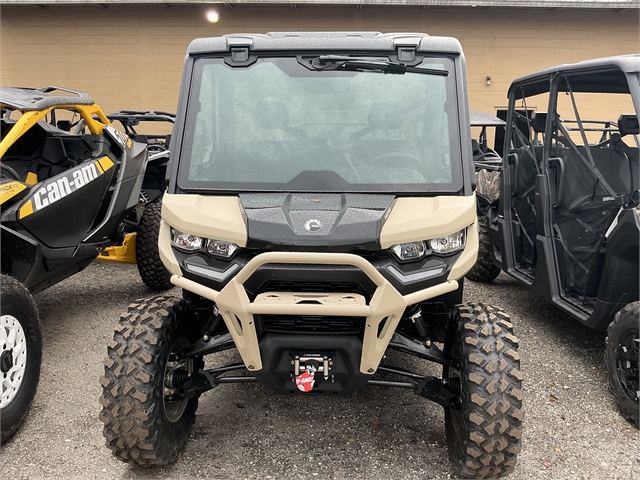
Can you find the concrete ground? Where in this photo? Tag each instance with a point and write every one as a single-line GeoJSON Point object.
{"type": "Point", "coordinates": [572, 427]}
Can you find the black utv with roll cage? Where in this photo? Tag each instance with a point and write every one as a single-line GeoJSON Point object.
{"type": "Point", "coordinates": [153, 128]}
{"type": "Point", "coordinates": [320, 211]}
{"type": "Point", "coordinates": [486, 128]}
{"type": "Point", "coordinates": [136, 240]}
{"type": "Point", "coordinates": [562, 209]}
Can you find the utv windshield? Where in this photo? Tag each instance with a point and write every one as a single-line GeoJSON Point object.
{"type": "Point", "coordinates": [303, 124]}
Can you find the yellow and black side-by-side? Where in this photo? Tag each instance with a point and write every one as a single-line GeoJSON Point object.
{"type": "Point", "coordinates": [71, 187]}
{"type": "Point", "coordinates": [66, 191]}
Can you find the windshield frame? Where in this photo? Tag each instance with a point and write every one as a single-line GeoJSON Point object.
{"type": "Point", "coordinates": [182, 154]}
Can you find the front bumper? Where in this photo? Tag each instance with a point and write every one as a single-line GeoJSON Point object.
{"type": "Point", "coordinates": [377, 302]}
{"type": "Point", "coordinates": [382, 313]}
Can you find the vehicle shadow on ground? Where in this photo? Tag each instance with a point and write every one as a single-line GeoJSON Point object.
{"type": "Point", "coordinates": [247, 431]}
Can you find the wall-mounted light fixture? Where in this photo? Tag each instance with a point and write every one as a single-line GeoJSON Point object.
{"type": "Point", "coordinates": [488, 80]}
{"type": "Point", "coordinates": [212, 16]}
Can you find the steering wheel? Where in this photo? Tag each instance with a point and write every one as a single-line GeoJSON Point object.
{"type": "Point", "coordinates": [400, 160]}
{"type": "Point", "coordinates": [157, 148]}
{"type": "Point", "coordinates": [8, 172]}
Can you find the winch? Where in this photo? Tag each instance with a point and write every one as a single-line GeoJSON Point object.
{"type": "Point", "coordinates": [305, 368]}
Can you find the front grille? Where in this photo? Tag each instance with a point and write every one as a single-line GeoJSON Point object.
{"type": "Point", "coordinates": [312, 324]}
{"type": "Point", "coordinates": [302, 278]}
{"type": "Point", "coordinates": [312, 287]}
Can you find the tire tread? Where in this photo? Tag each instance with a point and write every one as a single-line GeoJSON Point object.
{"type": "Point", "coordinates": [132, 386]}
{"type": "Point", "coordinates": [150, 267]}
{"type": "Point", "coordinates": [627, 317]}
{"type": "Point", "coordinates": [483, 270]}
{"type": "Point", "coordinates": [491, 436]}
{"type": "Point", "coordinates": [12, 287]}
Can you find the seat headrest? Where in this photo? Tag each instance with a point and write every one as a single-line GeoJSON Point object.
{"type": "Point", "coordinates": [538, 121]}
{"type": "Point", "coordinates": [628, 125]}
{"type": "Point", "coordinates": [54, 152]}
{"type": "Point", "coordinates": [475, 147]}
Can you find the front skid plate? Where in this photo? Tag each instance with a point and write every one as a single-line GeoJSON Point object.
{"type": "Point", "coordinates": [279, 352]}
{"type": "Point", "coordinates": [382, 314]}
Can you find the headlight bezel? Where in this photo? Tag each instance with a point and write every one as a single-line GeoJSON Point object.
{"type": "Point", "coordinates": [231, 247]}
{"type": "Point", "coordinates": [421, 246]}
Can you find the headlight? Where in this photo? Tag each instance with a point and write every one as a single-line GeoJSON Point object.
{"type": "Point", "coordinates": [449, 244]}
{"type": "Point", "coordinates": [220, 248]}
{"type": "Point", "coordinates": [186, 241]}
{"type": "Point", "coordinates": [409, 251]}
{"type": "Point", "coordinates": [194, 243]}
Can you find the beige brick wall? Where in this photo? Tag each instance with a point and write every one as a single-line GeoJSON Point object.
{"type": "Point", "coordinates": [131, 56]}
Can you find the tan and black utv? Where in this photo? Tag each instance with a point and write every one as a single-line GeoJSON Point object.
{"type": "Point", "coordinates": [320, 211]}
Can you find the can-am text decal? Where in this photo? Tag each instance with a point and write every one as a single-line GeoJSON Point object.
{"type": "Point", "coordinates": [55, 189]}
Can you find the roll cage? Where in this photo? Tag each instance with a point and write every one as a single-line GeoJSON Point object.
{"type": "Point", "coordinates": [567, 184]}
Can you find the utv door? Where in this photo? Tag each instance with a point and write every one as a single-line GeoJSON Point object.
{"type": "Point", "coordinates": [63, 209]}
{"type": "Point", "coordinates": [522, 181]}
{"type": "Point", "coordinates": [591, 168]}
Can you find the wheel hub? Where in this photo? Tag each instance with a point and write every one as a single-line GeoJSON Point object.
{"type": "Point", "coordinates": [6, 361]}
{"type": "Point", "coordinates": [174, 373]}
{"type": "Point", "coordinates": [13, 360]}
{"type": "Point", "coordinates": [627, 360]}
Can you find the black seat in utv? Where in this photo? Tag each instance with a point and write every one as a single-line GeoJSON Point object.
{"type": "Point", "coordinates": [588, 199]}
{"type": "Point", "coordinates": [628, 125]}
{"type": "Point", "coordinates": [53, 160]}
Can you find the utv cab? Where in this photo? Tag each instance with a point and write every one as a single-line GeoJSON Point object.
{"type": "Point", "coordinates": [320, 212]}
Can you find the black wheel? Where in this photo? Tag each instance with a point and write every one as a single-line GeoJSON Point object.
{"type": "Point", "coordinates": [484, 270]}
{"type": "Point", "coordinates": [484, 424]}
{"type": "Point", "coordinates": [623, 350]}
{"type": "Point", "coordinates": [140, 424]}
{"type": "Point", "coordinates": [151, 269]}
{"type": "Point", "coordinates": [20, 354]}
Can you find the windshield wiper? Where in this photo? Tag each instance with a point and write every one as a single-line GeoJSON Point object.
{"type": "Point", "coordinates": [335, 62]}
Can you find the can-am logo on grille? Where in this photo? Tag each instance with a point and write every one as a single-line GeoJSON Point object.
{"type": "Point", "coordinates": [313, 225]}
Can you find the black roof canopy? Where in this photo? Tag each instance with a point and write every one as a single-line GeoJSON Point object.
{"type": "Point", "coordinates": [351, 41]}
{"type": "Point", "coordinates": [539, 4]}
{"type": "Point", "coordinates": [32, 99]}
{"type": "Point", "coordinates": [601, 75]}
